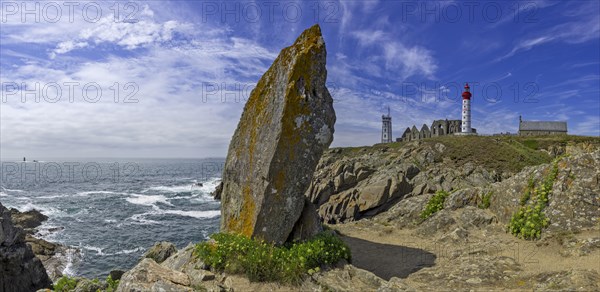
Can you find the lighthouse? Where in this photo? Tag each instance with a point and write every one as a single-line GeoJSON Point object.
{"type": "Point", "coordinates": [466, 110]}
{"type": "Point", "coordinates": [386, 129]}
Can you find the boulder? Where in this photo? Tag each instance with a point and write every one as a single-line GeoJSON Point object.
{"type": "Point", "coordinates": [474, 217]}
{"type": "Point", "coordinates": [20, 270]}
{"type": "Point", "coordinates": [28, 219]}
{"type": "Point", "coordinates": [150, 276]}
{"type": "Point", "coordinates": [286, 125]}
{"type": "Point", "coordinates": [160, 251]}
{"type": "Point", "coordinates": [87, 285]}
{"type": "Point", "coordinates": [216, 194]}
{"type": "Point", "coordinates": [348, 278]}
{"type": "Point", "coordinates": [116, 274]}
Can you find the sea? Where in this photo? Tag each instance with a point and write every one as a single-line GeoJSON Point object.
{"type": "Point", "coordinates": [110, 211]}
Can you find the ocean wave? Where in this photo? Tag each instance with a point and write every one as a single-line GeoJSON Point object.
{"type": "Point", "coordinates": [72, 255]}
{"type": "Point", "coordinates": [128, 251]}
{"type": "Point", "coordinates": [207, 187]}
{"type": "Point", "coordinates": [12, 190]}
{"type": "Point", "coordinates": [148, 200]}
{"type": "Point", "coordinates": [50, 197]}
{"type": "Point", "coordinates": [139, 219]}
{"type": "Point", "coordinates": [100, 251]}
{"type": "Point", "coordinates": [83, 194]}
{"type": "Point", "coordinates": [3, 194]}
{"type": "Point", "coordinates": [194, 214]}
{"type": "Point", "coordinates": [172, 189]}
{"type": "Point", "coordinates": [48, 211]}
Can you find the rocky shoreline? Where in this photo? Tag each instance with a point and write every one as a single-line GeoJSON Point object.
{"type": "Point", "coordinates": [55, 257]}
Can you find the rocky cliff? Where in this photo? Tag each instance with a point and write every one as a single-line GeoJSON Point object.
{"type": "Point", "coordinates": [20, 270]}
{"type": "Point", "coordinates": [286, 125]}
{"type": "Point", "coordinates": [352, 183]}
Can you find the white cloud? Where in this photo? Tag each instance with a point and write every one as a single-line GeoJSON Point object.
{"type": "Point", "coordinates": [411, 61]}
{"type": "Point", "coordinates": [590, 126]}
{"type": "Point", "coordinates": [178, 114]}
{"type": "Point", "coordinates": [583, 26]}
{"type": "Point", "coordinates": [397, 57]}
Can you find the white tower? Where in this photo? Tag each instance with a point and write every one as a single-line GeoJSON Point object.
{"type": "Point", "coordinates": [386, 129]}
{"type": "Point", "coordinates": [466, 110]}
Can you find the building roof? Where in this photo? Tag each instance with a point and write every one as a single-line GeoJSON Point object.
{"type": "Point", "coordinates": [543, 126]}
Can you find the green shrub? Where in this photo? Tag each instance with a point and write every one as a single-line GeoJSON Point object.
{"type": "Point", "coordinates": [64, 284]}
{"type": "Point", "coordinates": [262, 261]}
{"type": "Point", "coordinates": [435, 204]}
{"type": "Point", "coordinates": [527, 195]}
{"type": "Point", "coordinates": [529, 221]}
{"type": "Point", "coordinates": [486, 200]}
{"type": "Point", "coordinates": [111, 284]}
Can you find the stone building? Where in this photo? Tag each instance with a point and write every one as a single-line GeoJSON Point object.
{"type": "Point", "coordinates": [386, 128]}
{"type": "Point", "coordinates": [537, 128]}
{"type": "Point", "coordinates": [438, 128]}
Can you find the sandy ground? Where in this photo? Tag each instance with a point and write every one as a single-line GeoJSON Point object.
{"type": "Point", "coordinates": [391, 252]}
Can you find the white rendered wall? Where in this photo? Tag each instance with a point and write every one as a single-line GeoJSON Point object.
{"type": "Point", "coordinates": [466, 116]}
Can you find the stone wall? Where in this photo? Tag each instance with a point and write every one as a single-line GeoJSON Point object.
{"type": "Point", "coordinates": [540, 133]}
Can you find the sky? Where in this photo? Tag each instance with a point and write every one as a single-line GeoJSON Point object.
{"type": "Point", "coordinates": [169, 79]}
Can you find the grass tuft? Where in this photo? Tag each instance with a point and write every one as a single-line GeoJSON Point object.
{"type": "Point", "coordinates": [435, 204]}
{"type": "Point", "coordinates": [263, 262]}
{"type": "Point", "coordinates": [528, 222]}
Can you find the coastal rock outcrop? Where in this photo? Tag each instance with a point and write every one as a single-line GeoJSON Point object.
{"type": "Point", "coordinates": [20, 270]}
{"type": "Point", "coordinates": [150, 276]}
{"type": "Point", "coordinates": [27, 220]}
{"type": "Point", "coordinates": [356, 183]}
{"type": "Point", "coordinates": [160, 251]}
{"type": "Point", "coordinates": [286, 125]}
{"type": "Point", "coordinates": [54, 256]}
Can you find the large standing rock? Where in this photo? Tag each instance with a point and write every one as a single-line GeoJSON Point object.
{"type": "Point", "coordinates": [286, 125]}
{"type": "Point", "coordinates": [20, 270]}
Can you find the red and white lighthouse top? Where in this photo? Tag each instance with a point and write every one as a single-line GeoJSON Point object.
{"type": "Point", "coordinates": [466, 94]}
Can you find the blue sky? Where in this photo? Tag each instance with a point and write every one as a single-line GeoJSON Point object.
{"type": "Point", "coordinates": [170, 78]}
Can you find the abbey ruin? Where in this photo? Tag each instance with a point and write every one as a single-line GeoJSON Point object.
{"type": "Point", "coordinates": [438, 128]}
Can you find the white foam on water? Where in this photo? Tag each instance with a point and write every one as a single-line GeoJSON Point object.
{"type": "Point", "coordinates": [207, 187]}
{"type": "Point", "coordinates": [147, 200]}
{"type": "Point", "coordinates": [83, 194]}
{"type": "Point", "coordinates": [98, 250]}
{"type": "Point", "coordinates": [139, 219]}
{"type": "Point", "coordinates": [110, 220]}
{"type": "Point", "coordinates": [194, 214]}
{"type": "Point", "coordinates": [12, 190]}
{"type": "Point", "coordinates": [71, 256]}
{"type": "Point", "coordinates": [128, 251]}
{"type": "Point", "coordinates": [3, 194]}
{"type": "Point", "coordinates": [48, 211]}
{"type": "Point", "coordinates": [172, 189]}
{"type": "Point", "coordinates": [50, 197]}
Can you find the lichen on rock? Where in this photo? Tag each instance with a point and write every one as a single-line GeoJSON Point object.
{"type": "Point", "coordinates": [286, 125]}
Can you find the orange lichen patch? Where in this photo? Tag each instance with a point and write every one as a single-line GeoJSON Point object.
{"type": "Point", "coordinates": [244, 222]}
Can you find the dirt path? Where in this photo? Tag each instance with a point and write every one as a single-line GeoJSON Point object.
{"type": "Point", "coordinates": [389, 252]}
